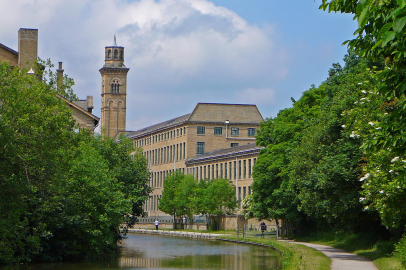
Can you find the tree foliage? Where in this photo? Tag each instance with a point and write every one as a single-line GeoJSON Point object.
{"type": "Point", "coordinates": [313, 160]}
{"type": "Point", "coordinates": [380, 35]}
{"type": "Point", "coordinates": [63, 194]}
{"type": "Point", "coordinates": [183, 195]}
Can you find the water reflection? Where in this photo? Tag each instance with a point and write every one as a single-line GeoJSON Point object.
{"type": "Point", "coordinates": [161, 252]}
{"type": "Point", "coordinates": [151, 252]}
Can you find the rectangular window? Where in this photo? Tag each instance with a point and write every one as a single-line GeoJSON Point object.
{"type": "Point", "coordinates": [249, 168]}
{"type": "Point", "coordinates": [218, 131]}
{"type": "Point", "coordinates": [225, 170]}
{"type": "Point", "coordinates": [204, 177]}
{"type": "Point", "coordinates": [208, 172]}
{"type": "Point", "coordinates": [249, 190]}
{"type": "Point", "coordinates": [184, 150]}
{"type": "Point", "coordinates": [239, 169]}
{"type": "Point", "coordinates": [235, 169]}
{"type": "Point", "coordinates": [255, 161]}
{"type": "Point", "coordinates": [251, 132]}
{"type": "Point", "coordinates": [234, 144]}
{"type": "Point", "coordinates": [200, 148]}
{"type": "Point", "coordinates": [221, 170]}
{"type": "Point", "coordinates": [197, 173]}
{"type": "Point", "coordinates": [230, 171]}
{"type": "Point", "coordinates": [212, 171]}
{"type": "Point", "coordinates": [201, 175]}
{"type": "Point", "coordinates": [239, 197]}
{"type": "Point", "coordinates": [244, 194]}
{"type": "Point", "coordinates": [217, 171]}
{"type": "Point", "coordinates": [245, 169]}
{"type": "Point", "coordinates": [235, 131]}
{"type": "Point", "coordinates": [201, 130]}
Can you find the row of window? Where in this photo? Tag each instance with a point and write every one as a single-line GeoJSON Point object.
{"type": "Point", "coordinates": [235, 131]}
{"type": "Point", "coordinates": [116, 54]}
{"type": "Point", "coordinates": [166, 154]}
{"type": "Point", "coordinates": [200, 147]}
{"type": "Point", "coordinates": [232, 170]}
{"type": "Point", "coordinates": [160, 137]}
{"type": "Point", "coordinates": [151, 204]}
{"type": "Point", "coordinates": [158, 178]}
{"type": "Point", "coordinates": [244, 194]}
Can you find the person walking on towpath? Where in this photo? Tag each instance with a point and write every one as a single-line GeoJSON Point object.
{"type": "Point", "coordinates": [156, 224]}
{"type": "Point", "coordinates": [263, 228]}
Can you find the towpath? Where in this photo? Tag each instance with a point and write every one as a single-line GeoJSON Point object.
{"type": "Point", "coordinates": [340, 259]}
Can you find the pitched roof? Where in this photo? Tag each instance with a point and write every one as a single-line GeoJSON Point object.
{"type": "Point", "coordinates": [8, 49]}
{"type": "Point", "coordinates": [208, 113]}
{"type": "Point", "coordinates": [225, 153]}
{"type": "Point", "coordinates": [164, 125]}
{"type": "Point", "coordinates": [95, 118]}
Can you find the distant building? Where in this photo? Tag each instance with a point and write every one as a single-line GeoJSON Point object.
{"type": "Point", "coordinates": [114, 91]}
{"type": "Point", "coordinates": [25, 58]}
{"type": "Point", "coordinates": [204, 143]}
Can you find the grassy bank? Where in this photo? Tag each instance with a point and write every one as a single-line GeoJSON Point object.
{"type": "Point", "coordinates": [293, 256]}
{"type": "Point", "coordinates": [380, 252]}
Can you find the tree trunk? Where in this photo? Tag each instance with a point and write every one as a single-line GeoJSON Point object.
{"type": "Point", "coordinates": [277, 227]}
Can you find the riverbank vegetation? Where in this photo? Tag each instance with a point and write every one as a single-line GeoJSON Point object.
{"type": "Point", "coordinates": [63, 192]}
{"type": "Point", "coordinates": [293, 256]}
{"type": "Point", "coordinates": [335, 162]}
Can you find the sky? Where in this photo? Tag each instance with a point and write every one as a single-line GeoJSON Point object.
{"type": "Point", "coordinates": [182, 52]}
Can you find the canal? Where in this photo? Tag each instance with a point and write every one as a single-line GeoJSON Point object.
{"type": "Point", "coordinates": [150, 252]}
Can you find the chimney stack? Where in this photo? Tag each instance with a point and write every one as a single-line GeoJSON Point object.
{"type": "Point", "coordinates": [27, 48]}
{"type": "Point", "coordinates": [59, 76]}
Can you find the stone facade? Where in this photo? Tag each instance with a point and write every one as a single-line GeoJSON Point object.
{"type": "Point", "coordinates": [27, 47]}
{"type": "Point", "coordinates": [114, 91]}
{"type": "Point", "coordinates": [25, 59]}
{"type": "Point", "coordinates": [8, 55]}
{"type": "Point", "coordinates": [178, 143]}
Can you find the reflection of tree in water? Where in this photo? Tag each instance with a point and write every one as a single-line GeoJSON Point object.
{"type": "Point", "coordinates": [257, 258]}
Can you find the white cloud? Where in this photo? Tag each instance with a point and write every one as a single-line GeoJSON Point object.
{"type": "Point", "coordinates": [178, 51]}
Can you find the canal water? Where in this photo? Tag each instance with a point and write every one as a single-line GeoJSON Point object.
{"type": "Point", "coordinates": [154, 252]}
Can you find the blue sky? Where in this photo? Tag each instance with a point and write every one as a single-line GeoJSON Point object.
{"type": "Point", "coordinates": [181, 52]}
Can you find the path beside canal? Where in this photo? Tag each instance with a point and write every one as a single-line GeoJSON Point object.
{"type": "Point", "coordinates": [340, 259]}
{"type": "Point", "coordinates": [196, 235]}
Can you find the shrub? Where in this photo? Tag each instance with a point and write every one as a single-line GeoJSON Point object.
{"type": "Point", "coordinates": [400, 250]}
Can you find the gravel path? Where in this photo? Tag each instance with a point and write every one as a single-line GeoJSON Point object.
{"type": "Point", "coordinates": [340, 259]}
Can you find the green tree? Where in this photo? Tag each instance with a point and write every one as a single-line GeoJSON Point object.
{"type": "Point", "coordinates": [219, 198]}
{"type": "Point", "coordinates": [170, 201]}
{"type": "Point", "coordinates": [380, 35]}
{"type": "Point", "coordinates": [36, 132]}
{"type": "Point", "coordinates": [130, 168]}
{"type": "Point", "coordinates": [274, 195]}
{"type": "Point", "coordinates": [63, 194]}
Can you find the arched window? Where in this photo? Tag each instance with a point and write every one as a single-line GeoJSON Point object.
{"type": "Point", "coordinates": [109, 54]}
{"type": "Point", "coordinates": [122, 55]}
{"type": "Point", "coordinates": [115, 86]}
{"type": "Point", "coordinates": [115, 54]}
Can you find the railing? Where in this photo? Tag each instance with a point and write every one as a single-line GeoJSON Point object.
{"type": "Point", "coordinates": [244, 232]}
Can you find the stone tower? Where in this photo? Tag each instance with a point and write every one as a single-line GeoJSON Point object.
{"type": "Point", "coordinates": [27, 47]}
{"type": "Point", "coordinates": [114, 91]}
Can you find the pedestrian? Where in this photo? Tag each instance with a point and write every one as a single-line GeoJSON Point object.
{"type": "Point", "coordinates": [263, 228]}
{"type": "Point", "coordinates": [156, 224]}
{"type": "Point", "coordinates": [184, 223]}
